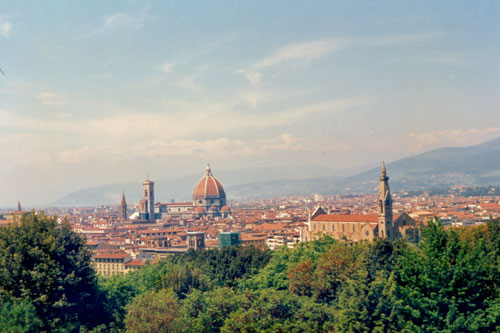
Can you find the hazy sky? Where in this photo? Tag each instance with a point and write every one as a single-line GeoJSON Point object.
{"type": "Point", "coordinates": [99, 92]}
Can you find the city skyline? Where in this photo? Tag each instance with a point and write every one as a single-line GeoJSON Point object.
{"type": "Point", "coordinates": [100, 93]}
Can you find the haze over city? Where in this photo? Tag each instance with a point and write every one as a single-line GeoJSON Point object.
{"type": "Point", "coordinates": [99, 93]}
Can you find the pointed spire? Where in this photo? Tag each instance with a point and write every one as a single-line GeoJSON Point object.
{"type": "Point", "coordinates": [18, 206]}
{"type": "Point", "coordinates": [383, 175]}
{"type": "Point", "coordinates": [208, 170]}
{"type": "Point", "coordinates": [384, 191]}
{"type": "Point", "coordinates": [123, 210]}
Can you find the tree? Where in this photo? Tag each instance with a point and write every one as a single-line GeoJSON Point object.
{"type": "Point", "coordinates": [448, 284]}
{"type": "Point", "coordinates": [272, 310]}
{"type": "Point", "coordinates": [154, 312]}
{"type": "Point", "coordinates": [48, 266]}
{"type": "Point", "coordinates": [207, 311]}
{"type": "Point", "coordinates": [19, 316]}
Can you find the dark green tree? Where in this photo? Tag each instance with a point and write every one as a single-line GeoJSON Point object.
{"type": "Point", "coordinates": [48, 266]}
{"type": "Point", "coordinates": [207, 312]}
{"type": "Point", "coordinates": [448, 284]}
{"type": "Point", "coordinates": [19, 316]}
{"type": "Point", "coordinates": [272, 310]}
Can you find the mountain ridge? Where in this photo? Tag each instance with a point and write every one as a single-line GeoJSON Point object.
{"type": "Point", "coordinates": [438, 168]}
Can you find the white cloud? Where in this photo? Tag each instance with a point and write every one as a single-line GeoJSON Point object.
{"type": "Point", "coordinates": [191, 119]}
{"type": "Point", "coordinates": [75, 156]}
{"type": "Point", "coordinates": [191, 82]}
{"type": "Point", "coordinates": [50, 99]}
{"type": "Point", "coordinates": [166, 67]}
{"type": "Point", "coordinates": [303, 52]}
{"type": "Point", "coordinates": [306, 52]}
{"type": "Point", "coordinates": [293, 53]}
{"type": "Point", "coordinates": [395, 39]}
{"type": "Point", "coordinates": [253, 76]}
{"type": "Point", "coordinates": [5, 28]}
{"type": "Point", "coordinates": [222, 147]}
{"type": "Point", "coordinates": [118, 21]}
{"type": "Point", "coordinates": [11, 120]}
{"type": "Point", "coordinates": [456, 137]}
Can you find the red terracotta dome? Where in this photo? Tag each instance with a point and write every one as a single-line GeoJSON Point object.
{"type": "Point", "coordinates": [208, 187]}
{"type": "Point", "coordinates": [225, 209]}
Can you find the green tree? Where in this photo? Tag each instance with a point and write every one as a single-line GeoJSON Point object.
{"type": "Point", "coordinates": [48, 265]}
{"type": "Point", "coordinates": [275, 273]}
{"type": "Point", "coordinates": [448, 284]}
{"type": "Point", "coordinates": [19, 316]}
{"type": "Point", "coordinates": [272, 310]}
{"type": "Point", "coordinates": [227, 265]}
{"type": "Point", "coordinates": [207, 311]}
{"type": "Point", "coordinates": [154, 312]}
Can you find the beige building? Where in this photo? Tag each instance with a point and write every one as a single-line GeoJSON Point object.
{"type": "Point", "coordinates": [356, 228]}
{"type": "Point", "coordinates": [108, 264]}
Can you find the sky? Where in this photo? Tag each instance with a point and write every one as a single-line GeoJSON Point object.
{"type": "Point", "coordinates": [101, 92]}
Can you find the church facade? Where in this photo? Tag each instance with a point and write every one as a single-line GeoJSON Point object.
{"type": "Point", "coordinates": [356, 227]}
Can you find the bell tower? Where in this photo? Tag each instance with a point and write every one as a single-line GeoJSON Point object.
{"type": "Point", "coordinates": [148, 190]}
{"type": "Point", "coordinates": [385, 224]}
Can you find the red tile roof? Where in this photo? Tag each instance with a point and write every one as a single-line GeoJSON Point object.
{"type": "Point", "coordinates": [346, 218]}
{"type": "Point", "coordinates": [136, 262]}
{"type": "Point", "coordinates": [110, 255]}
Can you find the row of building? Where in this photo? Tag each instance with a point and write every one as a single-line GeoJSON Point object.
{"type": "Point", "coordinates": [125, 239]}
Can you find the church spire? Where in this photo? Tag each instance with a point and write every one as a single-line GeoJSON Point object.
{"type": "Point", "coordinates": [384, 191]}
{"type": "Point", "coordinates": [18, 206]}
{"type": "Point", "coordinates": [383, 175]}
{"type": "Point", "coordinates": [123, 210]}
{"type": "Point", "coordinates": [385, 206]}
{"type": "Point", "coordinates": [208, 170]}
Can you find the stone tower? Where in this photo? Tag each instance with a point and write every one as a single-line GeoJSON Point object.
{"type": "Point", "coordinates": [18, 206]}
{"type": "Point", "coordinates": [385, 224]}
{"type": "Point", "coordinates": [149, 198]}
{"type": "Point", "coordinates": [123, 211]}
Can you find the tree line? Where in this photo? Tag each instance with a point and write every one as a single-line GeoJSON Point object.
{"type": "Point", "coordinates": [448, 282]}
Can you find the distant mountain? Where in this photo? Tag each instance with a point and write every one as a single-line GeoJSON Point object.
{"type": "Point", "coordinates": [444, 167]}
{"type": "Point", "coordinates": [439, 168]}
{"type": "Point", "coordinates": [182, 188]}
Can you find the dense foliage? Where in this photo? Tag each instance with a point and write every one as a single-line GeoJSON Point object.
{"type": "Point", "coordinates": [46, 280]}
{"type": "Point", "coordinates": [449, 282]}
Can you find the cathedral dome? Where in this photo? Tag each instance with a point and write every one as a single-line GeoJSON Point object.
{"type": "Point", "coordinates": [208, 187]}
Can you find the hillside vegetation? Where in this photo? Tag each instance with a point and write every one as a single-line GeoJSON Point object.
{"type": "Point", "coordinates": [449, 282]}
